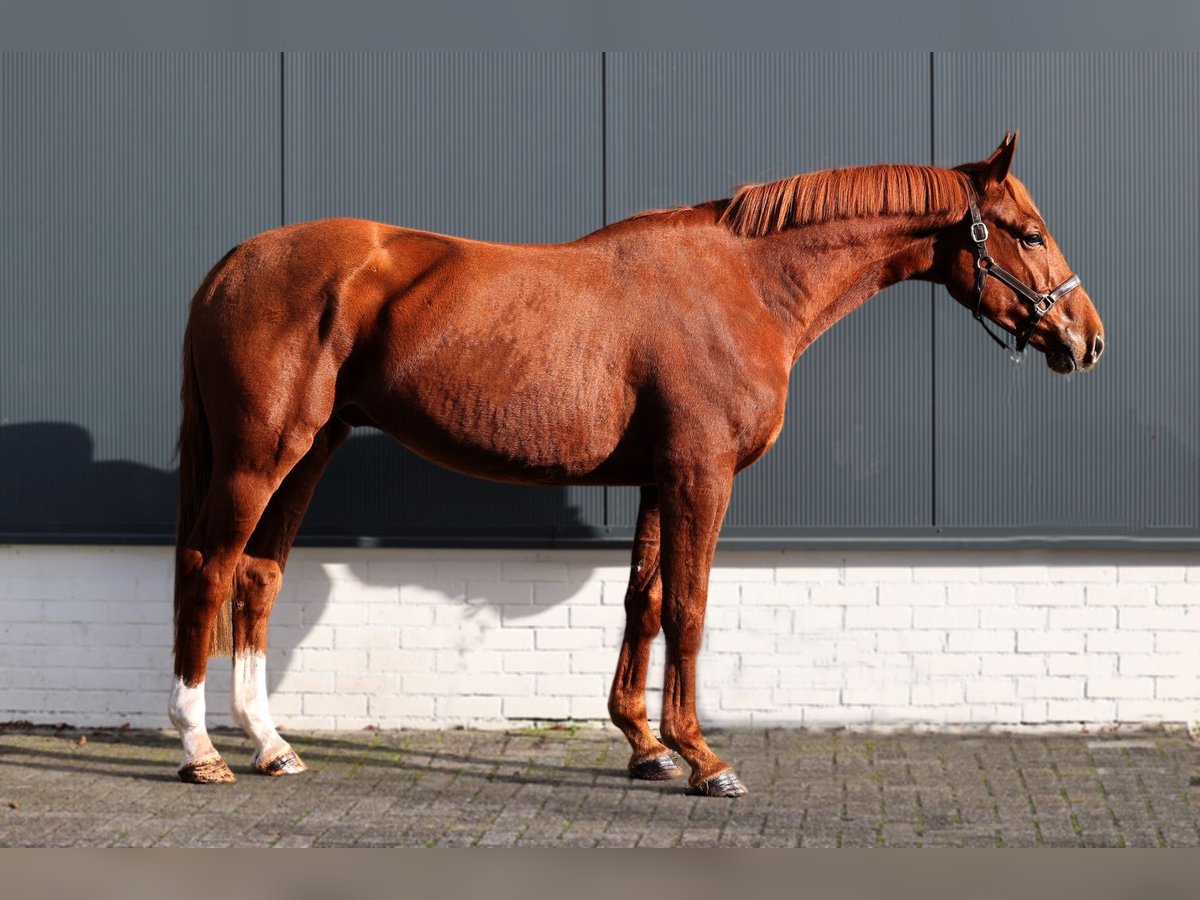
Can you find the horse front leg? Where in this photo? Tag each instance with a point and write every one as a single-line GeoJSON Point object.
{"type": "Point", "coordinates": [650, 761]}
{"type": "Point", "coordinates": [693, 505]}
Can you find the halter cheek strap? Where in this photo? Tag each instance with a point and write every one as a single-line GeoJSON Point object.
{"type": "Point", "coordinates": [985, 267]}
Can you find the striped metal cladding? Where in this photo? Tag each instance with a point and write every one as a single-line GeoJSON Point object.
{"type": "Point", "coordinates": [1110, 152]}
{"type": "Point", "coordinates": [687, 127]}
{"type": "Point", "coordinates": [125, 177]}
{"type": "Point", "coordinates": [493, 146]}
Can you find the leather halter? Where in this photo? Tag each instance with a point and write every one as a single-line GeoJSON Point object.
{"type": "Point", "coordinates": [985, 266]}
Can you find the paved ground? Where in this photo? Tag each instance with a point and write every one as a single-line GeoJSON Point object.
{"type": "Point", "coordinates": [555, 787]}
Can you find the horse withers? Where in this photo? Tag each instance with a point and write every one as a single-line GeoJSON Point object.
{"type": "Point", "coordinates": [654, 352]}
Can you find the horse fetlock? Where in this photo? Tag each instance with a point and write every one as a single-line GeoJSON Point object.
{"type": "Point", "coordinates": [675, 738]}
{"type": "Point", "coordinates": [690, 744]}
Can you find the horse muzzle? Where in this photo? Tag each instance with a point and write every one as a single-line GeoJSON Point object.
{"type": "Point", "coordinates": [1066, 358]}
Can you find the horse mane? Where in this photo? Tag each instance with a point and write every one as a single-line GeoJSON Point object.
{"type": "Point", "coordinates": [881, 190]}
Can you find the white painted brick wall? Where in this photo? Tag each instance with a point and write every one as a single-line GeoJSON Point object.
{"type": "Point", "coordinates": [397, 638]}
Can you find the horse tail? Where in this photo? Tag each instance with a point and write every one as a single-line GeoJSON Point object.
{"type": "Point", "coordinates": [195, 473]}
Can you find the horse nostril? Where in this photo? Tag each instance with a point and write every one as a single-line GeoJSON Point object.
{"type": "Point", "coordinates": [1097, 347]}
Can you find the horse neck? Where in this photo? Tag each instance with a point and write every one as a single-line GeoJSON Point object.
{"type": "Point", "coordinates": [814, 275]}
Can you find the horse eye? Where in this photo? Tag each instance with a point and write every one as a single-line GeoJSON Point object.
{"type": "Point", "coordinates": [1034, 239]}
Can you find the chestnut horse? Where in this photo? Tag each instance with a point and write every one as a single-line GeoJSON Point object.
{"type": "Point", "coordinates": [653, 352]}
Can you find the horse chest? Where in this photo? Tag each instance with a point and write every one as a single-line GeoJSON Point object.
{"type": "Point", "coordinates": [759, 423]}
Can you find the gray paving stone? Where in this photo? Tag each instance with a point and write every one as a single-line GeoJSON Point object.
{"type": "Point", "coordinates": [562, 788]}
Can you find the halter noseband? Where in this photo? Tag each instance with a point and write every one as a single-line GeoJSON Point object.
{"type": "Point", "coordinates": [1041, 304]}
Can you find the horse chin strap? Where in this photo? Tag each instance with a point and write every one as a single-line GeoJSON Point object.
{"type": "Point", "coordinates": [985, 266]}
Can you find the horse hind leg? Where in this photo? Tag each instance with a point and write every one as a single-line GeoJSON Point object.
{"type": "Point", "coordinates": [207, 562]}
{"type": "Point", "coordinates": [247, 470]}
{"type": "Point", "coordinates": [256, 586]}
{"type": "Point", "coordinates": [650, 760]}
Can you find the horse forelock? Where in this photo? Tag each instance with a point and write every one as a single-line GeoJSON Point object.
{"type": "Point", "coordinates": [882, 190]}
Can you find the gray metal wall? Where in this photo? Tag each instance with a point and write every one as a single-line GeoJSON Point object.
{"type": "Point", "coordinates": [123, 178]}
{"type": "Point", "coordinates": [1110, 151]}
{"type": "Point", "coordinates": [126, 176]}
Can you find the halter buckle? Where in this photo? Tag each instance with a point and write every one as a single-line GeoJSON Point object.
{"type": "Point", "coordinates": [1043, 305]}
{"type": "Point", "coordinates": [979, 232]}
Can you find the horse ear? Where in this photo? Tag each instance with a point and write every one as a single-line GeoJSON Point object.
{"type": "Point", "coordinates": [995, 168]}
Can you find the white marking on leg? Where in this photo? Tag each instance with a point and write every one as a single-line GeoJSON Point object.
{"type": "Point", "coordinates": [250, 708]}
{"type": "Point", "coordinates": [187, 714]}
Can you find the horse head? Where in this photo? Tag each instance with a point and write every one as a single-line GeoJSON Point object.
{"type": "Point", "coordinates": [1004, 265]}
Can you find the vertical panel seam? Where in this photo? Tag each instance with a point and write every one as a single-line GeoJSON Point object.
{"type": "Point", "coordinates": [603, 137]}
{"type": "Point", "coordinates": [282, 144]}
{"type": "Point", "coordinates": [932, 328]}
{"type": "Point", "coordinates": [604, 192]}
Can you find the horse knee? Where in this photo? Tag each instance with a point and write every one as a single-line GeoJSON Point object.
{"type": "Point", "coordinates": [643, 609]}
{"type": "Point", "coordinates": [647, 623]}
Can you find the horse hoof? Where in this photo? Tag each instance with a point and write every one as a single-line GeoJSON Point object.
{"type": "Point", "coordinates": [726, 784]}
{"type": "Point", "coordinates": [286, 763]}
{"type": "Point", "coordinates": [656, 768]}
{"type": "Point", "coordinates": [210, 770]}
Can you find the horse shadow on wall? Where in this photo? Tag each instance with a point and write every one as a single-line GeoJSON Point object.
{"type": "Point", "coordinates": [53, 490]}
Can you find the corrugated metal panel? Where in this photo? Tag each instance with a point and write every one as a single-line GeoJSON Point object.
{"type": "Point", "coordinates": [125, 178]}
{"type": "Point", "coordinates": [491, 146]}
{"type": "Point", "coordinates": [688, 127]}
{"type": "Point", "coordinates": [1110, 151]}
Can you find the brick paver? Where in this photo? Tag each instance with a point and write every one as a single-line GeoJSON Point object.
{"type": "Point", "coordinates": [564, 788]}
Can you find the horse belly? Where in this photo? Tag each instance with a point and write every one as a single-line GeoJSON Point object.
{"type": "Point", "coordinates": [553, 430]}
